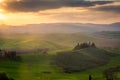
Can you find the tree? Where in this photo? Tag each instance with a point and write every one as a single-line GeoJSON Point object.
{"type": "Point", "coordinates": [93, 45]}
{"type": "Point", "coordinates": [84, 45]}
{"type": "Point", "coordinates": [3, 76]}
{"type": "Point", "coordinates": [90, 77]}
{"type": "Point", "coordinates": [77, 47]}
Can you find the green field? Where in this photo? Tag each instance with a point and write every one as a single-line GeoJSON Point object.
{"type": "Point", "coordinates": [54, 42]}
{"type": "Point", "coordinates": [33, 66]}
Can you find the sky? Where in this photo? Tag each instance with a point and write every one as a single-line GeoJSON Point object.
{"type": "Point", "coordinates": [21, 12]}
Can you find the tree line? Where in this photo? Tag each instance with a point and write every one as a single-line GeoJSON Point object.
{"type": "Point", "coordinates": [84, 45]}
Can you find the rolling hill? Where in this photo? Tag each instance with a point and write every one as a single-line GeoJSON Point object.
{"type": "Point", "coordinates": [109, 34]}
{"type": "Point", "coordinates": [78, 60]}
{"type": "Point", "coordinates": [53, 41]}
{"type": "Point", "coordinates": [36, 41]}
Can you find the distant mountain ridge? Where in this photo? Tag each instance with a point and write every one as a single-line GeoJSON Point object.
{"type": "Point", "coordinates": [60, 28]}
{"type": "Point", "coordinates": [117, 24]}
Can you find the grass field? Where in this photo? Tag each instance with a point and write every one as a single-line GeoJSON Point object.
{"type": "Point", "coordinates": [32, 67]}
{"type": "Point", "coordinates": [56, 41]}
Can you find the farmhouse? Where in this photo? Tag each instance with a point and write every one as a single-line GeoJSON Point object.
{"type": "Point", "coordinates": [7, 54]}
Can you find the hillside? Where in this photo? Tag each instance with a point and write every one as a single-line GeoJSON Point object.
{"type": "Point", "coordinates": [109, 34]}
{"type": "Point", "coordinates": [56, 41]}
{"type": "Point", "coordinates": [36, 41]}
{"type": "Point", "coordinates": [33, 66]}
{"type": "Point", "coordinates": [82, 59]}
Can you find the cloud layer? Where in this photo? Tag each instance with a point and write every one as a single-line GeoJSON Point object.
{"type": "Point", "coordinates": [38, 5]}
{"type": "Point", "coordinates": [111, 8]}
{"type": "Point", "coordinates": [20, 12]}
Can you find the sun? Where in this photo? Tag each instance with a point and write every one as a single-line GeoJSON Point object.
{"type": "Point", "coordinates": [1, 1]}
{"type": "Point", "coordinates": [2, 16]}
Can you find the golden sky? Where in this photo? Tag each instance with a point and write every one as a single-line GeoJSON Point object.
{"type": "Point", "coordinates": [19, 12]}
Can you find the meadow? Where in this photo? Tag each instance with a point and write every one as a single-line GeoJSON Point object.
{"type": "Point", "coordinates": [34, 66]}
{"type": "Point", "coordinates": [53, 41]}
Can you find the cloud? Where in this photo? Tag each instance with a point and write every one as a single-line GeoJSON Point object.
{"type": "Point", "coordinates": [38, 5]}
{"type": "Point", "coordinates": [111, 8]}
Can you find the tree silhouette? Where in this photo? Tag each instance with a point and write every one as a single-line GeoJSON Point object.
{"type": "Point", "coordinates": [93, 45]}
{"type": "Point", "coordinates": [84, 45]}
{"type": "Point", "coordinates": [90, 77]}
{"type": "Point", "coordinates": [3, 76]}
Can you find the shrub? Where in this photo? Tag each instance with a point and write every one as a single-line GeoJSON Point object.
{"type": "Point", "coordinates": [3, 76]}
